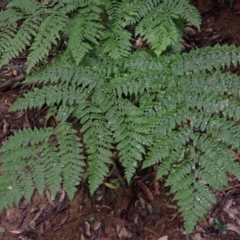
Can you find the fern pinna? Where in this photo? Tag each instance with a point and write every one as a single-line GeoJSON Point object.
{"type": "Point", "coordinates": [156, 108]}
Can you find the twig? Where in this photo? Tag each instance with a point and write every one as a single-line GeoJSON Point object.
{"type": "Point", "coordinates": [5, 86]}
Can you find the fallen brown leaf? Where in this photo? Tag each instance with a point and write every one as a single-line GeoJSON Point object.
{"type": "Point", "coordinates": [121, 222]}
{"type": "Point", "coordinates": [11, 228]}
{"type": "Point", "coordinates": [49, 198]}
{"type": "Point", "coordinates": [57, 226]}
{"type": "Point", "coordinates": [231, 227]}
{"type": "Point", "coordinates": [146, 190]}
{"type": "Point", "coordinates": [163, 238]}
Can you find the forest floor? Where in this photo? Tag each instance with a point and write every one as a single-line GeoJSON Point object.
{"type": "Point", "coordinates": [126, 212]}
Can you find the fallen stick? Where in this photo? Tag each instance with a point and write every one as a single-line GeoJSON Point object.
{"type": "Point", "coordinates": [7, 85]}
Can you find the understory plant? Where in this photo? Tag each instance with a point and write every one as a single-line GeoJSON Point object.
{"type": "Point", "coordinates": [153, 105]}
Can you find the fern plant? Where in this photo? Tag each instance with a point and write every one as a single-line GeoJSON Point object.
{"type": "Point", "coordinates": [159, 107]}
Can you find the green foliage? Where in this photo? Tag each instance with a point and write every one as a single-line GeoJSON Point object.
{"type": "Point", "coordinates": [40, 158]}
{"type": "Point", "coordinates": [86, 24]}
{"type": "Point", "coordinates": [159, 107]}
{"type": "Point", "coordinates": [219, 226]}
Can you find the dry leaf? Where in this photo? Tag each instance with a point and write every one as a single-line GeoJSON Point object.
{"type": "Point", "coordinates": [139, 42]}
{"type": "Point", "coordinates": [122, 232]}
{"type": "Point", "coordinates": [231, 227]}
{"type": "Point", "coordinates": [145, 190]}
{"type": "Point", "coordinates": [121, 222]}
{"type": "Point", "coordinates": [62, 195]}
{"type": "Point", "coordinates": [49, 198]}
{"type": "Point", "coordinates": [11, 228]}
{"type": "Point", "coordinates": [22, 217]}
{"type": "Point", "coordinates": [110, 185]}
{"type": "Point", "coordinates": [14, 72]}
{"type": "Point", "coordinates": [190, 31]}
{"type": "Point", "coordinates": [57, 226]}
{"type": "Point", "coordinates": [96, 225]}
{"type": "Point", "coordinates": [33, 222]}
{"type": "Point", "coordinates": [9, 214]}
{"type": "Point", "coordinates": [5, 127]}
{"type": "Point", "coordinates": [228, 204]}
{"type": "Point", "coordinates": [87, 229]}
{"type": "Point", "coordinates": [18, 115]}
{"type": "Point", "coordinates": [156, 187]}
{"type": "Point", "coordinates": [142, 202]}
{"type": "Point", "coordinates": [232, 212]}
{"type": "Point", "coordinates": [163, 238]}
{"type": "Point", "coordinates": [82, 237]}
{"type": "Point", "coordinates": [197, 236]}
{"type": "Point", "coordinates": [238, 221]}
{"type": "Point", "coordinates": [171, 206]}
{"type": "Point", "coordinates": [149, 208]}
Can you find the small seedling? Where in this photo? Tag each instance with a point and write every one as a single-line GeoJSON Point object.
{"type": "Point", "coordinates": [221, 227]}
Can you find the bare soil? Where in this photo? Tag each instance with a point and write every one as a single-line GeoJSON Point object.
{"type": "Point", "coordinates": [128, 212]}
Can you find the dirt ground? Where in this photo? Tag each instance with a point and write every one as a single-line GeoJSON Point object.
{"type": "Point", "coordinates": [127, 212]}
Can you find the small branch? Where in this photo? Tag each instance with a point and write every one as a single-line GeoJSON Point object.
{"type": "Point", "coordinates": [7, 85]}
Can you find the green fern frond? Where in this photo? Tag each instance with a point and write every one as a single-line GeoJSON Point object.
{"type": "Point", "coordinates": [69, 6]}
{"type": "Point", "coordinates": [14, 163]}
{"type": "Point", "coordinates": [25, 137]}
{"type": "Point", "coordinates": [117, 44]}
{"type": "Point", "coordinates": [68, 74]}
{"type": "Point", "coordinates": [21, 39]}
{"type": "Point", "coordinates": [27, 6]}
{"type": "Point", "coordinates": [83, 30]}
{"type": "Point", "coordinates": [167, 151]}
{"type": "Point", "coordinates": [40, 97]}
{"type": "Point", "coordinates": [159, 44]}
{"type": "Point", "coordinates": [52, 169]}
{"type": "Point", "coordinates": [48, 34]}
{"type": "Point", "coordinates": [50, 96]}
{"type": "Point", "coordinates": [6, 36]}
{"type": "Point", "coordinates": [194, 197]}
{"type": "Point", "coordinates": [209, 58]}
{"type": "Point", "coordinates": [98, 140]}
{"type": "Point", "coordinates": [10, 16]}
{"type": "Point", "coordinates": [205, 157]}
{"type": "Point", "coordinates": [195, 200]}
{"type": "Point", "coordinates": [160, 35]}
{"type": "Point", "coordinates": [48, 159]}
{"type": "Point", "coordinates": [185, 11]}
{"type": "Point", "coordinates": [70, 154]}
{"type": "Point", "coordinates": [130, 131]}
{"type": "Point", "coordinates": [118, 13]}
